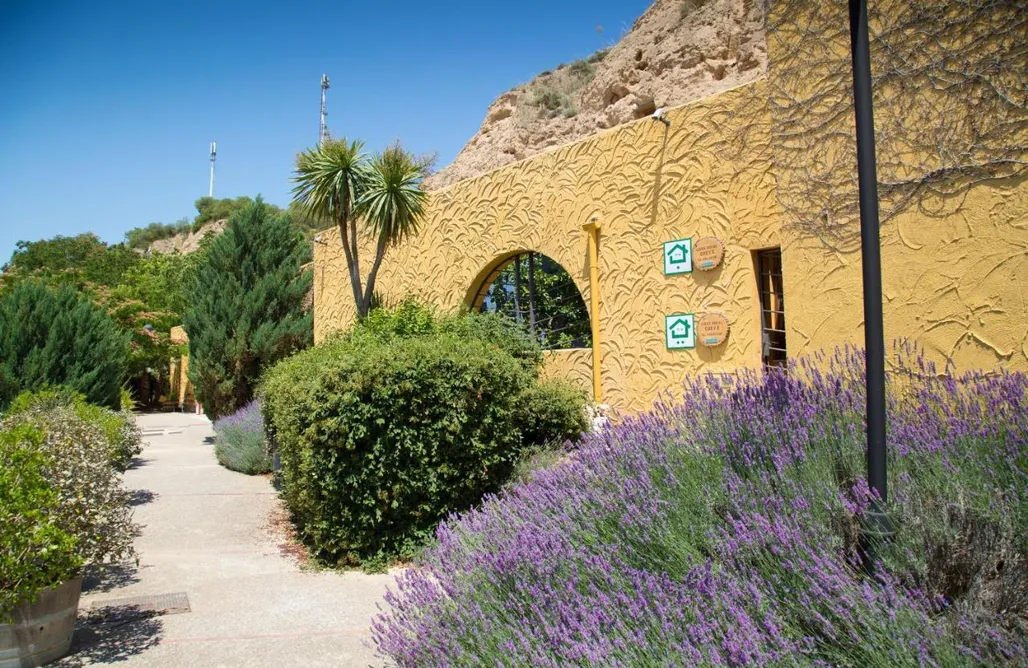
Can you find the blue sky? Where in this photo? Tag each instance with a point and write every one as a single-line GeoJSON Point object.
{"type": "Point", "coordinates": [108, 108]}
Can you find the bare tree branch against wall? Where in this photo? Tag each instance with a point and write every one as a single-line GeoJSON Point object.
{"type": "Point", "coordinates": [951, 107]}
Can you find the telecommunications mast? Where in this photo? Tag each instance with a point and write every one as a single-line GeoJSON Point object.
{"type": "Point", "coordinates": [214, 156]}
{"type": "Point", "coordinates": [323, 132]}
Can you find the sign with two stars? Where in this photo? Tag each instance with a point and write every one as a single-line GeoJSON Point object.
{"type": "Point", "coordinates": [680, 331]}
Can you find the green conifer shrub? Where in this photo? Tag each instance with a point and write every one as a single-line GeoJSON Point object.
{"type": "Point", "coordinates": [246, 307]}
{"type": "Point", "coordinates": [59, 337]}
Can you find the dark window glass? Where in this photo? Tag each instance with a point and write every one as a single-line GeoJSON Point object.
{"type": "Point", "coordinates": [537, 292]}
{"type": "Point", "coordinates": [772, 307]}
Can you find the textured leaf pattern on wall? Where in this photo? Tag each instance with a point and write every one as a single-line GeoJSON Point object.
{"type": "Point", "coordinates": [644, 188]}
{"type": "Point", "coordinates": [954, 238]}
{"type": "Point", "coordinates": [951, 123]}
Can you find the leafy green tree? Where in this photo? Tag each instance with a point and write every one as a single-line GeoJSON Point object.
{"type": "Point", "coordinates": [537, 292]}
{"type": "Point", "coordinates": [149, 301]}
{"type": "Point", "coordinates": [159, 282]}
{"type": "Point", "coordinates": [306, 222]}
{"type": "Point", "coordinates": [338, 182]}
{"type": "Point", "coordinates": [59, 337]}
{"type": "Point", "coordinates": [246, 306]}
{"type": "Point", "coordinates": [57, 254]}
{"type": "Point", "coordinates": [80, 261]}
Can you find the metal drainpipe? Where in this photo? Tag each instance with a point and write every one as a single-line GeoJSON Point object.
{"type": "Point", "coordinates": [592, 228]}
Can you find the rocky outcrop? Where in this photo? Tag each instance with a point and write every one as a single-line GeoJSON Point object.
{"type": "Point", "coordinates": [186, 242]}
{"type": "Point", "coordinates": [678, 51]}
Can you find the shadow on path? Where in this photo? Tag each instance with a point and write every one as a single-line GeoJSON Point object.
{"type": "Point", "coordinates": [108, 577]}
{"type": "Point", "coordinates": [138, 462]}
{"type": "Point", "coordinates": [138, 497]}
{"type": "Point", "coordinates": [112, 634]}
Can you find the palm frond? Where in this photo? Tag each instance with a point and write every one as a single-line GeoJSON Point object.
{"type": "Point", "coordinates": [330, 178]}
{"type": "Point", "coordinates": [393, 202]}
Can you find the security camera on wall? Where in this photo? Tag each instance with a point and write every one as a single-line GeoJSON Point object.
{"type": "Point", "coordinates": [661, 115]}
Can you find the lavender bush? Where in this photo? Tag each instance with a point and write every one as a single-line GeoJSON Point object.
{"type": "Point", "coordinates": [239, 442]}
{"type": "Point", "coordinates": [722, 529]}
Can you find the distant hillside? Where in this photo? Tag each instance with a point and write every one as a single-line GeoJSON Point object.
{"type": "Point", "coordinates": [186, 241]}
{"type": "Point", "coordinates": [212, 217]}
{"type": "Point", "coordinates": [676, 52]}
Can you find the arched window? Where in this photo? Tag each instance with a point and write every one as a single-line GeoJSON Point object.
{"type": "Point", "coordinates": [537, 292]}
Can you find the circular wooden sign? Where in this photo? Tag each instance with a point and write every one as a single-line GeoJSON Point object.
{"type": "Point", "coordinates": [707, 253]}
{"type": "Point", "coordinates": [712, 329]}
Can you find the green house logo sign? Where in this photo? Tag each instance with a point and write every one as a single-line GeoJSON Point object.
{"type": "Point", "coordinates": [680, 331]}
{"type": "Point", "coordinates": [678, 254]}
{"type": "Point", "coordinates": [677, 257]}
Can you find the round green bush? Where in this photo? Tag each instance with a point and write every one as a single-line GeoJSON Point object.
{"type": "Point", "coordinates": [411, 319]}
{"type": "Point", "coordinates": [59, 337]}
{"type": "Point", "coordinates": [35, 553]}
{"type": "Point", "coordinates": [123, 438]}
{"type": "Point", "coordinates": [93, 505]}
{"type": "Point", "coordinates": [384, 431]}
{"type": "Point", "coordinates": [552, 412]}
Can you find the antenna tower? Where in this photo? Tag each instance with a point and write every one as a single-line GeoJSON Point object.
{"type": "Point", "coordinates": [323, 132]}
{"type": "Point", "coordinates": [214, 156]}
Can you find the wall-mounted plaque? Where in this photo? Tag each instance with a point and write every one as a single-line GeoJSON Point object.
{"type": "Point", "coordinates": [677, 257]}
{"type": "Point", "coordinates": [680, 331]}
{"type": "Point", "coordinates": [707, 253]}
{"type": "Point", "coordinates": [712, 329]}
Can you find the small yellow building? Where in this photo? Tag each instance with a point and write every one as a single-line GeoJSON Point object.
{"type": "Point", "coordinates": [755, 189]}
{"type": "Point", "coordinates": [181, 391]}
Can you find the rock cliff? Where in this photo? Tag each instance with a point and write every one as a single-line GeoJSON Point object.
{"type": "Point", "coordinates": [186, 242]}
{"type": "Point", "coordinates": [676, 52]}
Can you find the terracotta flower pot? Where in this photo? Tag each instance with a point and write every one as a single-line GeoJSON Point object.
{"type": "Point", "coordinates": [41, 632]}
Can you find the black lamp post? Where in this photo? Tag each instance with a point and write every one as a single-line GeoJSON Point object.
{"type": "Point", "coordinates": [877, 527]}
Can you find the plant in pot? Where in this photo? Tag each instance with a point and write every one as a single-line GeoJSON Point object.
{"type": "Point", "coordinates": [62, 507]}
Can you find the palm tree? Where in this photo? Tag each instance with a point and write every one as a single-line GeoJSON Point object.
{"type": "Point", "coordinates": [337, 181]}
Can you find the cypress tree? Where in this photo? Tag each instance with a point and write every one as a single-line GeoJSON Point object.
{"type": "Point", "coordinates": [246, 306]}
{"type": "Point", "coordinates": [59, 337]}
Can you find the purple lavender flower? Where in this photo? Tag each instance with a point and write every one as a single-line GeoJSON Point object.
{"type": "Point", "coordinates": [239, 442]}
{"type": "Point", "coordinates": [722, 529]}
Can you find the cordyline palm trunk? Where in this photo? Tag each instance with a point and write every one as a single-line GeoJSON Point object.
{"type": "Point", "coordinates": [347, 224]}
{"type": "Point", "coordinates": [369, 293]}
{"type": "Point", "coordinates": [336, 181]}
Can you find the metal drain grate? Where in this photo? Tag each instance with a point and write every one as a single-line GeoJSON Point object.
{"type": "Point", "coordinates": [162, 604]}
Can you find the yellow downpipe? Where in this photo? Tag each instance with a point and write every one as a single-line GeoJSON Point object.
{"type": "Point", "coordinates": [592, 228]}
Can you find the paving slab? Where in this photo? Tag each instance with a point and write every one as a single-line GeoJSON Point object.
{"type": "Point", "coordinates": [207, 535]}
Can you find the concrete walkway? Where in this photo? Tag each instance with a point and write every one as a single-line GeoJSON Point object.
{"type": "Point", "coordinates": [207, 534]}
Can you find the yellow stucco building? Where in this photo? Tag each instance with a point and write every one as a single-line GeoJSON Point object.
{"type": "Point", "coordinates": [181, 390]}
{"type": "Point", "coordinates": [730, 167]}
